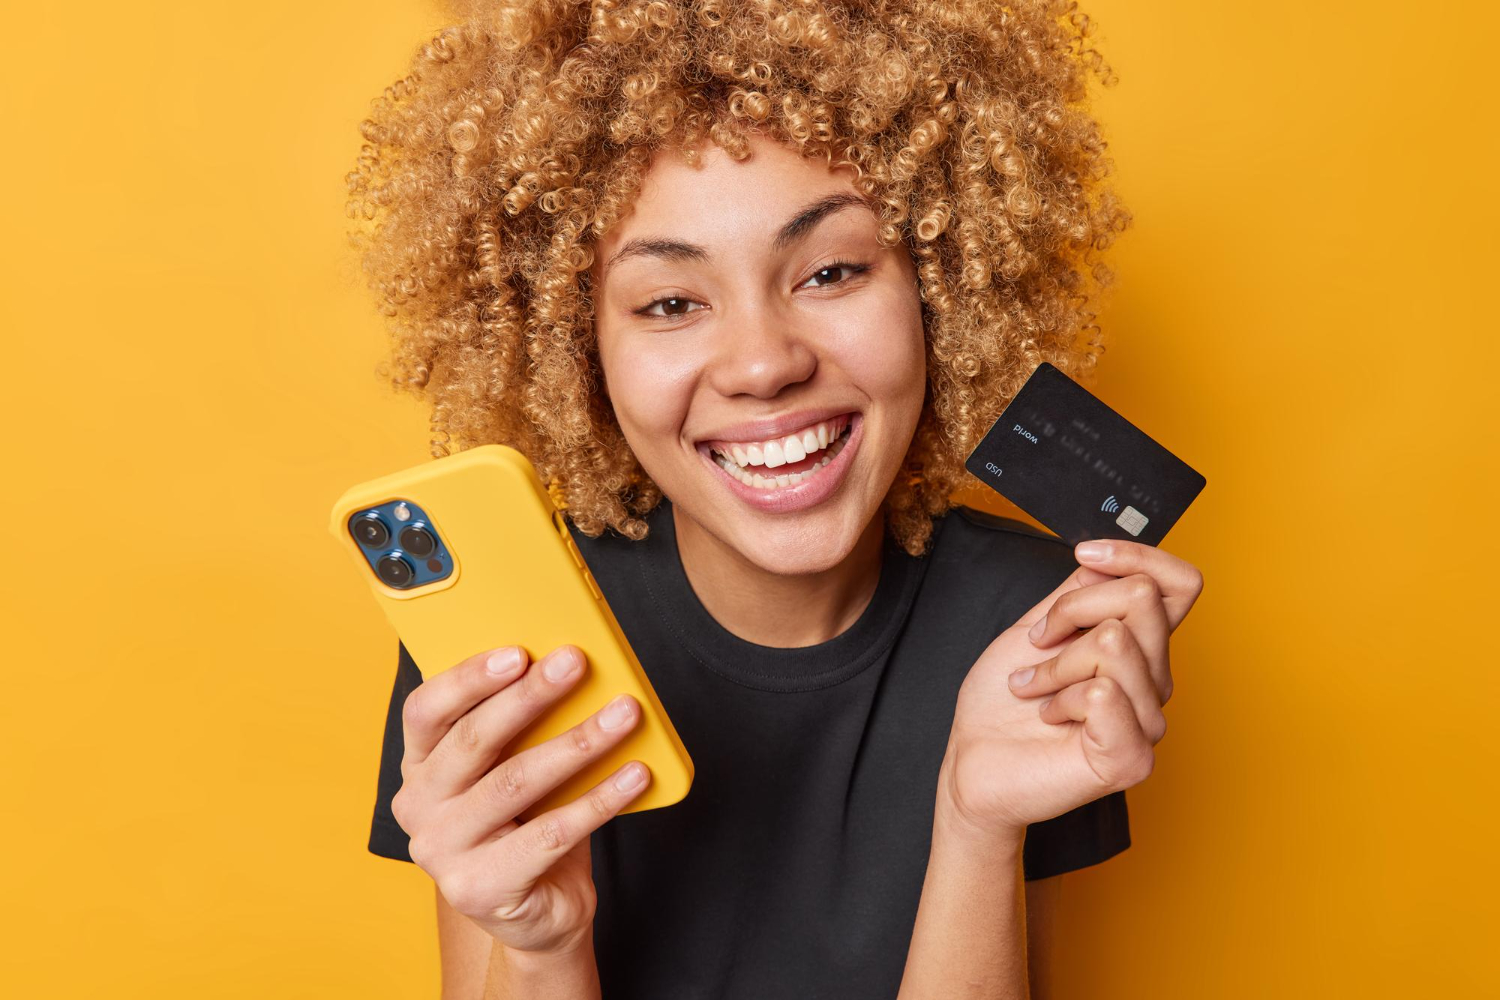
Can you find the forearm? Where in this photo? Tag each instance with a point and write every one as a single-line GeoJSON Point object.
{"type": "Point", "coordinates": [970, 935]}
{"type": "Point", "coordinates": [523, 975]}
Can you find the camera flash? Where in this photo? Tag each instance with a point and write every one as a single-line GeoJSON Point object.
{"type": "Point", "coordinates": [403, 512]}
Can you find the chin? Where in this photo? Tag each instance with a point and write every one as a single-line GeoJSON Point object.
{"type": "Point", "coordinates": [801, 549]}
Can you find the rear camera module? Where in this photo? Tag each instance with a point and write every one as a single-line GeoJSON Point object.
{"type": "Point", "coordinates": [395, 571]}
{"type": "Point", "coordinates": [370, 531]}
{"type": "Point", "coordinates": [417, 541]}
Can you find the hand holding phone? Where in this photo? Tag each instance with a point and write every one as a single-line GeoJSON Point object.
{"type": "Point", "coordinates": [467, 553]}
{"type": "Point", "coordinates": [528, 884]}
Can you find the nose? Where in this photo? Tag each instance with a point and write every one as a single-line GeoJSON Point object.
{"type": "Point", "coordinates": [761, 355]}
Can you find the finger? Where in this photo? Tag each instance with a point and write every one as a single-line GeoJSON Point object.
{"type": "Point", "coordinates": [1109, 650]}
{"type": "Point", "coordinates": [475, 741]}
{"type": "Point", "coordinates": [438, 702]}
{"type": "Point", "coordinates": [1136, 600]}
{"type": "Point", "coordinates": [1180, 581]}
{"type": "Point", "coordinates": [1114, 745]}
{"type": "Point", "coordinates": [530, 850]}
{"type": "Point", "coordinates": [517, 782]}
{"type": "Point", "coordinates": [1082, 576]}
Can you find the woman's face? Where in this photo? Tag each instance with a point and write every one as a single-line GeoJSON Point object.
{"type": "Point", "coordinates": [763, 353]}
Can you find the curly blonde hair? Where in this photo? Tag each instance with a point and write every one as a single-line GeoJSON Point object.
{"type": "Point", "coordinates": [522, 133]}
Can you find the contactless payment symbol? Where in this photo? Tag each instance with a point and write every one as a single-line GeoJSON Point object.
{"type": "Point", "coordinates": [1132, 520]}
{"type": "Point", "coordinates": [1110, 505]}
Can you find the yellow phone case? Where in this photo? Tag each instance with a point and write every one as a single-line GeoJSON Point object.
{"type": "Point", "coordinates": [517, 579]}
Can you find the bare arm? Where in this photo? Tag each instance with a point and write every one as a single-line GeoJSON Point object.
{"type": "Point", "coordinates": [464, 949]}
{"type": "Point", "coordinates": [477, 967]}
{"type": "Point", "coordinates": [970, 936]}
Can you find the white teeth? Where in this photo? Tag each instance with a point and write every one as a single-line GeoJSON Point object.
{"type": "Point", "coordinates": [775, 455]}
{"type": "Point", "coordinates": [792, 448]}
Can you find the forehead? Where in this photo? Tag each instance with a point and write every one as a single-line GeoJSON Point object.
{"type": "Point", "coordinates": [725, 202]}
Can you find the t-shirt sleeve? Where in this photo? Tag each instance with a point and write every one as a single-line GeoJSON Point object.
{"type": "Point", "coordinates": [387, 839]}
{"type": "Point", "coordinates": [1095, 831]}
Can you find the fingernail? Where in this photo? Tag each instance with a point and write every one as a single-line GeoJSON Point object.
{"type": "Point", "coordinates": [1093, 551]}
{"type": "Point", "coordinates": [1038, 628]}
{"type": "Point", "coordinates": [631, 778]}
{"type": "Point", "coordinates": [1019, 677]}
{"type": "Point", "coordinates": [561, 665]}
{"type": "Point", "coordinates": [503, 661]}
{"type": "Point", "coordinates": [614, 714]}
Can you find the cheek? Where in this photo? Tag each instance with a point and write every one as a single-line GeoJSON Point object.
{"type": "Point", "coordinates": [887, 360]}
{"type": "Point", "coordinates": [650, 387]}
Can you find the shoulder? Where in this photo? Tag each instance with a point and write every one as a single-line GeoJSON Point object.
{"type": "Point", "coordinates": [965, 535]}
{"type": "Point", "coordinates": [984, 571]}
{"type": "Point", "coordinates": [615, 560]}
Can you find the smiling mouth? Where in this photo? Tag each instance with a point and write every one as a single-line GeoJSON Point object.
{"type": "Point", "coordinates": [784, 461]}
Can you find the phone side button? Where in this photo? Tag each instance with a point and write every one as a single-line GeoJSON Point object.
{"type": "Point", "coordinates": [593, 587]}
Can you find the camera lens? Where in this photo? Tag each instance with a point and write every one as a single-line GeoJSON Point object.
{"type": "Point", "coordinates": [395, 571]}
{"type": "Point", "coordinates": [371, 532]}
{"type": "Point", "coordinates": [417, 541]}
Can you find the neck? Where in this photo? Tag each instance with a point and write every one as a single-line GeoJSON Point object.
{"type": "Point", "coordinates": [773, 609]}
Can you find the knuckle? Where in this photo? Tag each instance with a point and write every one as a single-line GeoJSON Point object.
{"type": "Point", "coordinates": [512, 779]}
{"type": "Point", "coordinates": [602, 806]}
{"type": "Point", "coordinates": [505, 785]}
{"type": "Point", "coordinates": [1143, 589]}
{"type": "Point", "coordinates": [1112, 636]}
{"type": "Point", "coordinates": [551, 834]}
{"type": "Point", "coordinates": [1100, 690]}
{"type": "Point", "coordinates": [579, 737]}
{"type": "Point", "coordinates": [1158, 728]}
{"type": "Point", "coordinates": [414, 710]}
{"type": "Point", "coordinates": [1195, 579]}
{"type": "Point", "coordinates": [1144, 765]}
{"type": "Point", "coordinates": [398, 806]}
{"type": "Point", "coordinates": [420, 851]}
{"type": "Point", "coordinates": [1166, 689]}
{"type": "Point", "coordinates": [463, 894]}
{"type": "Point", "coordinates": [465, 734]}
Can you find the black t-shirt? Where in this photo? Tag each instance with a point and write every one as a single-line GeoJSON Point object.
{"type": "Point", "coordinates": [794, 866]}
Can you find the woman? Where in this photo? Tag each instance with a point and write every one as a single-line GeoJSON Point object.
{"type": "Point", "coordinates": [747, 282]}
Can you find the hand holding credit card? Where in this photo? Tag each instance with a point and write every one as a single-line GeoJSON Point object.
{"type": "Point", "coordinates": [1082, 470]}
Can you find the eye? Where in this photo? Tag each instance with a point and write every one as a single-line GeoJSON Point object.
{"type": "Point", "coordinates": [672, 306]}
{"type": "Point", "coordinates": [842, 268]}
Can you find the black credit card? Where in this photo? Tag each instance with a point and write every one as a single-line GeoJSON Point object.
{"type": "Point", "coordinates": [1080, 468]}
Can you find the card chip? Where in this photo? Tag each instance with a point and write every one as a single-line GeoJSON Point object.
{"type": "Point", "coordinates": [1132, 520]}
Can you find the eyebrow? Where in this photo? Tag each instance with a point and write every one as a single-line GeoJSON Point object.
{"type": "Point", "coordinates": [796, 228]}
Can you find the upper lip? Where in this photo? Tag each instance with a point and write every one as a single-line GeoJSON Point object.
{"type": "Point", "coordinates": [774, 427]}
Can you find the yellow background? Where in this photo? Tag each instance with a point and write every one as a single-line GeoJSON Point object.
{"type": "Point", "coordinates": [196, 681]}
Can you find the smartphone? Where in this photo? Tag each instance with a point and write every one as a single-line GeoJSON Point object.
{"type": "Point", "coordinates": [466, 553]}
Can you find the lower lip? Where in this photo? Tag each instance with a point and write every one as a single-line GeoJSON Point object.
{"type": "Point", "coordinates": [809, 492]}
